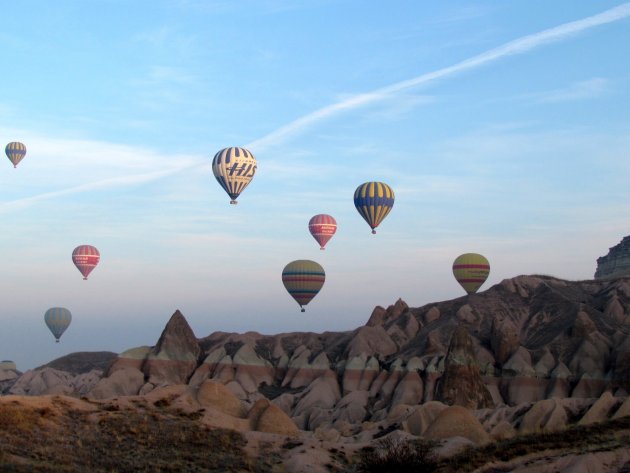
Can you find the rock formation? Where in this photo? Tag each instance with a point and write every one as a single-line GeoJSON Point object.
{"type": "Point", "coordinates": [523, 341]}
{"type": "Point", "coordinates": [175, 356]}
{"type": "Point", "coordinates": [461, 383]}
{"type": "Point", "coordinates": [8, 374]}
{"type": "Point", "coordinates": [616, 263]}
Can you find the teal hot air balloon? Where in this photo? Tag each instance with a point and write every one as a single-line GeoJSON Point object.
{"type": "Point", "coordinates": [57, 319]}
{"type": "Point", "coordinates": [374, 200]}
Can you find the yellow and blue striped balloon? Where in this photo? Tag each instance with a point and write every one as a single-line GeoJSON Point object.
{"type": "Point", "coordinates": [234, 168]}
{"type": "Point", "coordinates": [57, 319]}
{"type": "Point", "coordinates": [15, 152]}
{"type": "Point", "coordinates": [303, 279]}
{"type": "Point", "coordinates": [374, 200]}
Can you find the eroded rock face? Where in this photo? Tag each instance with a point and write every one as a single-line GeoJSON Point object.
{"type": "Point", "coordinates": [8, 375]}
{"type": "Point", "coordinates": [175, 356]}
{"type": "Point", "coordinates": [461, 383]}
{"type": "Point", "coordinates": [52, 381]}
{"type": "Point", "coordinates": [528, 339]}
{"type": "Point", "coordinates": [457, 421]}
{"type": "Point", "coordinates": [616, 263]}
{"type": "Point", "coordinates": [122, 382]}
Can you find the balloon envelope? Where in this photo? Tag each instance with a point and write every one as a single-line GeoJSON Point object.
{"type": "Point", "coordinates": [85, 258]}
{"type": "Point", "coordinates": [234, 168]}
{"type": "Point", "coordinates": [303, 279]}
{"type": "Point", "coordinates": [471, 270]}
{"type": "Point", "coordinates": [57, 319]}
{"type": "Point", "coordinates": [322, 227]}
{"type": "Point", "coordinates": [15, 152]}
{"type": "Point", "coordinates": [374, 200]}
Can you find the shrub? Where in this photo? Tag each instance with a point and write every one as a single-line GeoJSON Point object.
{"type": "Point", "coordinates": [398, 456]}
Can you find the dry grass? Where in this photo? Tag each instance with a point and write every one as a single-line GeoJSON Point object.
{"type": "Point", "coordinates": [605, 436]}
{"type": "Point", "coordinates": [416, 456]}
{"type": "Point", "coordinates": [152, 439]}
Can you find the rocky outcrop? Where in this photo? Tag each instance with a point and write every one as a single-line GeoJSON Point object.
{"type": "Point", "coordinates": [544, 416]}
{"type": "Point", "coordinates": [122, 382]}
{"type": "Point", "coordinates": [457, 421]}
{"type": "Point", "coordinates": [51, 381]}
{"type": "Point", "coordinates": [527, 339]}
{"type": "Point", "coordinates": [616, 263]}
{"type": "Point", "coordinates": [8, 375]}
{"type": "Point", "coordinates": [461, 383]}
{"type": "Point", "coordinates": [175, 356]}
{"type": "Point", "coordinates": [267, 417]}
{"type": "Point", "coordinates": [212, 393]}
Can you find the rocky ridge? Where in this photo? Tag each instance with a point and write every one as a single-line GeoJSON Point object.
{"type": "Point", "coordinates": [527, 340]}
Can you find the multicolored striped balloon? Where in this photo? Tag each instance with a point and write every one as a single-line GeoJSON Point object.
{"type": "Point", "coordinates": [471, 270]}
{"type": "Point", "coordinates": [15, 152]}
{"type": "Point", "coordinates": [85, 258]}
{"type": "Point", "coordinates": [303, 279]}
{"type": "Point", "coordinates": [234, 168]}
{"type": "Point", "coordinates": [374, 200]}
{"type": "Point", "coordinates": [57, 319]}
{"type": "Point", "coordinates": [322, 227]}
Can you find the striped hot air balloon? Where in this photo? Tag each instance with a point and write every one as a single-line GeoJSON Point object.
{"type": "Point", "coordinates": [15, 152]}
{"type": "Point", "coordinates": [322, 227]}
{"type": "Point", "coordinates": [234, 168]}
{"type": "Point", "coordinates": [374, 200]}
{"type": "Point", "coordinates": [57, 319]}
{"type": "Point", "coordinates": [85, 258]}
{"type": "Point", "coordinates": [303, 279]}
{"type": "Point", "coordinates": [471, 270]}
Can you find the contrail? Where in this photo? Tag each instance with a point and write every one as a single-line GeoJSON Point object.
{"type": "Point", "coordinates": [517, 46]}
{"type": "Point", "coordinates": [127, 180]}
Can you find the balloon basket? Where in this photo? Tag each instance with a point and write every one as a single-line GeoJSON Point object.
{"type": "Point", "coordinates": [322, 248]}
{"type": "Point", "coordinates": [85, 278]}
{"type": "Point", "coordinates": [373, 232]}
{"type": "Point", "coordinates": [233, 202]}
{"type": "Point", "coordinates": [303, 309]}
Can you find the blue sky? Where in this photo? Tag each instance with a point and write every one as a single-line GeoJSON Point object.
{"type": "Point", "coordinates": [502, 127]}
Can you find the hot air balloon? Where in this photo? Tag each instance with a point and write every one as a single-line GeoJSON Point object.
{"type": "Point", "coordinates": [322, 227]}
{"type": "Point", "coordinates": [15, 152]}
{"type": "Point", "coordinates": [374, 200]}
{"type": "Point", "coordinates": [57, 319]}
{"type": "Point", "coordinates": [85, 258]}
{"type": "Point", "coordinates": [471, 270]}
{"type": "Point", "coordinates": [234, 168]}
{"type": "Point", "coordinates": [303, 279]}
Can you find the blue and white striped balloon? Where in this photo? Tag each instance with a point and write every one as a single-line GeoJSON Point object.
{"type": "Point", "coordinates": [57, 319]}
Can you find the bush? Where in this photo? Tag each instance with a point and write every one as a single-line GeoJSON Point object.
{"type": "Point", "coordinates": [398, 456]}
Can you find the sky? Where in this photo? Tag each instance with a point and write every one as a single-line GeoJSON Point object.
{"type": "Point", "coordinates": [502, 128]}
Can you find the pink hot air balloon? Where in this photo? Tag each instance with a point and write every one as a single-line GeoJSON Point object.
{"type": "Point", "coordinates": [85, 258]}
{"type": "Point", "coordinates": [322, 227]}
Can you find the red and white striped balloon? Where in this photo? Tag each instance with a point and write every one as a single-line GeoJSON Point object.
{"type": "Point", "coordinates": [85, 258]}
{"type": "Point", "coordinates": [322, 227]}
